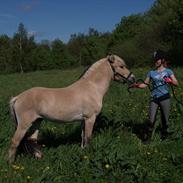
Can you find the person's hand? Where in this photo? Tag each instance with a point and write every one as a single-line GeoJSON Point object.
{"type": "Point", "coordinates": [168, 80]}
{"type": "Point", "coordinates": [135, 85]}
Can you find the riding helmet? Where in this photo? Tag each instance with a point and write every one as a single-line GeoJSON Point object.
{"type": "Point", "coordinates": [158, 55]}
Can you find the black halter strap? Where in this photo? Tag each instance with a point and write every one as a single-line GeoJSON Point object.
{"type": "Point", "coordinates": [126, 79]}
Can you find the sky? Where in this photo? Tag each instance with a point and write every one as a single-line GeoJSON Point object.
{"type": "Point", "coordinates": [58, 19]}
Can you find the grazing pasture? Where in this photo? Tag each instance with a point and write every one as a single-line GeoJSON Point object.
{"type": "Point", "coordinates": [116, 153]}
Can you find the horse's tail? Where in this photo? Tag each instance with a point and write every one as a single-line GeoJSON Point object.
{"type": "Point", "coordinates": [12, 110]}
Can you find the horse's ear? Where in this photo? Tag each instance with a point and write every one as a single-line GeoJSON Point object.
{"type": "Point", "coordinates": [111, 58]}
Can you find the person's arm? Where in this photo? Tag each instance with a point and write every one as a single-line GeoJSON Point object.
{"type": "Point", "coordinates": [174, 80]}
{"type": "Point", "coordinates": [171, 79]}
{"type": "Point", "coordinates": [145, 84]}
{"type": "Point", "coordinates": [142, 85]}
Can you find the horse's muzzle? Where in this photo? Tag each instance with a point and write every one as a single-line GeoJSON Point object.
{"type": "Point", "coordinates": [131, 79]}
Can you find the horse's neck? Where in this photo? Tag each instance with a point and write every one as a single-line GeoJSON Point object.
{"type": "Point", "coordinates": [100, 76]}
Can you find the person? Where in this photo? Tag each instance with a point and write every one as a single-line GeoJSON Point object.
{"type": "Point", "coordinates": [160, 78]}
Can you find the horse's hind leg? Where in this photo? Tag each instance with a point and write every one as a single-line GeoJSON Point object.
{"type": "Point", "coordinates": [24, 123]}
{"type": "Point", "coordinates": [18, 136]}
{"type": "Point", "coordinates": [87, 130]}
{"type": "Point", "coordinates": [31, 138]}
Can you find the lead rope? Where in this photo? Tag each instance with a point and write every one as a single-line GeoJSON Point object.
{"type": "Point", "coordinates": [150, 89]}
{"type": "Point", "coordinates": [173, 92]}
{"type": "Point", "coordinates": [138, 81]}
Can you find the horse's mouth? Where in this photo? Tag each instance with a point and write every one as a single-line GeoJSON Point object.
{"type": "Point", "coordinates": [132, 79]}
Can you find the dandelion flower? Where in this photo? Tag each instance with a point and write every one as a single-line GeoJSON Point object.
{"type": "Point", "coordinates": [85, 157]}
{"type": "Point", "coordinates": [107, 166]}
{"type": "Point", "coordinates": [28, 177]}
{"type": "Point", "coordinates": [15, 167]}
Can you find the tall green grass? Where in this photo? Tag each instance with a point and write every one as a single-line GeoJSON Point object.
{"type": "Point", "coordinates": [116, 152]}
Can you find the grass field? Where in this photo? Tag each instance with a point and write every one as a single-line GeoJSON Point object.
{"type": "Point", "coordinates": [116, 152]}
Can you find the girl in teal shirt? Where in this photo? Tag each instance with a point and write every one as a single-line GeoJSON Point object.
{"type": "Point", "coordinates": [160, 96]}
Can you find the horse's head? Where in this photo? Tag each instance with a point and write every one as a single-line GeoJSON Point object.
{"type": "Point", "coordinates": [121, 73]}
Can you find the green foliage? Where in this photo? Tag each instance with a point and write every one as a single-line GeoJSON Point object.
{"type": "Point", "coordinates": [116, 152]}
{"type": "Point", "coordinates": [41, 58]}
{"type": "Point", "coordinates": [5, 53]}
{"type": "Point", "coordinates": [134, 38]}
{"type": "Point", "coordinates": [94, 49]}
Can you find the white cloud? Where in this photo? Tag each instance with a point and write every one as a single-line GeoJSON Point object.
{"type": "Point", "coordinates": [28, 6]}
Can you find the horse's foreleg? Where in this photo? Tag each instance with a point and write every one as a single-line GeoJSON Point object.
{"type": "Point", "coordinates": [87, 130]}
{"type": "Point", "coordinates": [18, 136]}
{"type": "Point", "coordinates": [83, 134]}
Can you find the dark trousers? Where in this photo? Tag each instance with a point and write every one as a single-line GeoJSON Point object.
{"type": "Point", "coordinates": [164, 106]}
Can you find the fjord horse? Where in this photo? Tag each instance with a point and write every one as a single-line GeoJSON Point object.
{"type": "Point", "coordinates": [81, 100]}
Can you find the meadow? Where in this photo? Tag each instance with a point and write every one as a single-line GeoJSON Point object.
{"type": "Point", "coordinates": [116, 153]}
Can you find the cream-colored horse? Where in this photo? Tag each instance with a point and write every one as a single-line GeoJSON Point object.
{"type": "Point", "coordinates": [80, 101]}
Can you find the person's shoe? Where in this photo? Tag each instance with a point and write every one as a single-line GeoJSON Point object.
{"type": "Point", "coordinates": [165, 135]}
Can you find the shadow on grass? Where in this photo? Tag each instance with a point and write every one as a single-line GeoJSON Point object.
{"type": "Point", "coordinates": [51, 139]}
{"type": "Point", "coordinates": [139, 129]}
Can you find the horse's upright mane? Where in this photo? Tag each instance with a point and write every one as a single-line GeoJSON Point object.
{"type": "Point", "coordinates": [91, 68]}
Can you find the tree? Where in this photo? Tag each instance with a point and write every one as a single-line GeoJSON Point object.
{"type": "Point", "coordinates": [5, 54]}
{"type": "Point", "coordinates": [75, 45]}
{"type": "Point", "coordinates": [60, 55]}
{"type": "Point", "coordinates": [20, 41]}
{"type": "Point", "coordinates": [41, 58]}
{"type": "Point", "coordinates": [168, 17]}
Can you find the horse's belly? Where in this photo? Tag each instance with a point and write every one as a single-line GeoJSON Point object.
{"type": "Point", "coordinates": [63, 116]}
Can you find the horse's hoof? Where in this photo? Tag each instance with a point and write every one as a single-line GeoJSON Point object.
{"type": "Point", "coordinates": [38, 155]}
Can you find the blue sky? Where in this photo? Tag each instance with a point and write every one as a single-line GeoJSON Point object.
{"type": "Point", "coordinates": [51, 19]}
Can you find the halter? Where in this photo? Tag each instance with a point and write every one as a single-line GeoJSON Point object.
{"type": "Point", "coordinates": [125, 79]}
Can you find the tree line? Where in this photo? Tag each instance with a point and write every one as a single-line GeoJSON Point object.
{"type": "Point", "coordinates": [134, 38]}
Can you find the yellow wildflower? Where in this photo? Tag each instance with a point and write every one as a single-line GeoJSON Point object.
{"type": "Point", "coordinates": [15, 167]}
{"type": "Point", "coordinates": [28, 177]}
{"type": "Point", "coordinates": [85, 157]}
{"type": "Point", "coordinates": [47, 168]}
{"type": "Point", "coordinates": [107, 166]}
